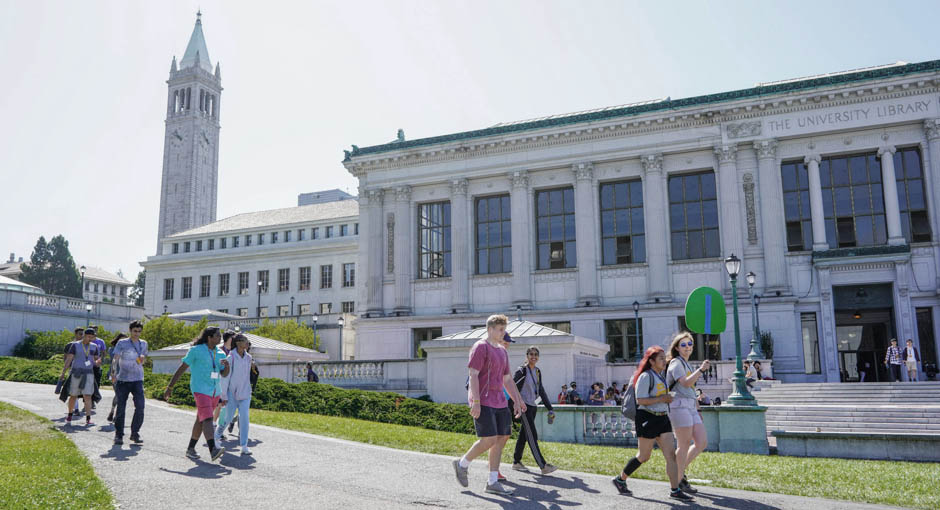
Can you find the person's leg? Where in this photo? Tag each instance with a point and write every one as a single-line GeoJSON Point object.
{"type": "Point", "coordinates": [700, 437]}
{"type": "Point", "coordinates": [121, 389]}
{"type": "Point", "coordinates": [665, 442]}
{"type": "Point", "coordinates": [137, 389]}
{"type": "Point", "coordinates": [683, 440]}
{"type": "Point", "coordinates": [87, 400]}
{"type": "Point", "coordinates": [532, 435]}
{"type": "Point", "coordinates": [243, 406]}
{"type": "Point", "coordinates": [496, 452]}
{"type": "Point", "coordinates": [483, 444]}
{"type": "Point", "coordinates": [644, 450]}
{"type": "Point", "coordinates": [520, 441]}
{"type": "Point", "coordinates": [227, 415]}
{"type": "Point", "coordinates": [73, 400]}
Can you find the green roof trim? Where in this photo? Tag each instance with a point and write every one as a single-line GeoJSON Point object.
{"type": "Point", "coordinates": [862, 251]}
{"type": "Point", "coordinates": [672, 104]}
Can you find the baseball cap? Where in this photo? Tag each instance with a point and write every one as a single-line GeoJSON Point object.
{"type": "Point", "coordinates": [507, 338]}
{"type": "Point", "coordinates": [89, 331]}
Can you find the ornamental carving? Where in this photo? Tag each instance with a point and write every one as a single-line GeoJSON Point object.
{"type": "Point", "coordinates": [696, 267]}
{"type": "Point", "coordinates": [481, 281]}
{"type": "Point", "coordinates": [459, 186]}
{"type": "Point", "coordinates": [583, 171]}
{"type": "Point", "coordinates": [743, 129]}
{"type": "Point", "coordinates": [886, 148]}
{"type": "Point", "coordinates": [390, 225]}
{"type": "Point", "coordinates": [403, 193]}
{"type": "Point", "coordinates": [766, 149]}
{"type": "Point", "coordinates": [812, 157]}
{"type": "Point", "coordinates": [556, 276]}
{"type": "Point", "coordinates": [519, 178]}
{"type": "Point", "coordinates": [726, 153]}
{"type": "Point", "coordinates": [426, 284]}
{"type": "Point", "coordinates": [749, 206]}
{"type": "Point", "coordinates": [374, 196]}
{"type": "Point", "coordinates": [652, 162]}
{"type": "Point", "coordinates": [625, 271]}
{"type": "Point", "coordinates": [932, 128]}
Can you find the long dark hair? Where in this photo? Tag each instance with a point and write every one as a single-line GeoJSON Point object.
{"type": "Point", "coordinates": [674, 345]}
{"type": "Point", "coordinates": [647, 362]}
{"type": "Point", "coordinates": [205, 335]}
{"type": "Point", "coordinates": [117, 338]}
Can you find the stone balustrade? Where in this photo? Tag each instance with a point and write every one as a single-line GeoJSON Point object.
{"type": "Point", "coordinates": [407, 377]}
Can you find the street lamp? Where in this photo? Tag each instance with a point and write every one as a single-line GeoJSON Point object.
{"type": "Point", "coordinates": [740, 396]}
{"type": "Point", "coordinates": [636, 329]}
{"type": "Point", "coordinates": [315, 317]}
{"type": "Point", "coordinates": [82, 270]}
{"type": "Point", "coordinates": [292, 306]}
{"type": "Point", "coordinates": [164, 309]}
{"type": "Point", "coordinates": [259, 302]}
{"type": "Point", "coordinates": [755, 353]}
{"type": "Point", "coordinates": [340, 321]}
{"type": "Point", "coordinates": [88, 308]}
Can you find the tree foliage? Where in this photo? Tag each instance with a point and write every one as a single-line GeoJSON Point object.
{"type": "Point", "coordinates": [52, 269]}
{"type": "Point", "coordinates": [290, 332]}
{"type": "Point", "coordinates": [137, 290]}
{"type": "Point", "coordinates": [43, 345]}
{"type": "Point", "coordinates": [164, 332]}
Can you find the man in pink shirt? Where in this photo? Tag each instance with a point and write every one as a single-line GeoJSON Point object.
{"type": "Point", "coordinates": [489, 376]}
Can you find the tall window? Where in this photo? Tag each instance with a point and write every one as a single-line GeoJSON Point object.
{"type": "Point", "coordinates": [343, 230]}
{"type": "Point", "coordinates": [260, 239]}
{"type": "Point", "coordinates": [303, 309]}
{"type": "Point", "coordinates": [624, 336]}
{"type": "Point", "coordinates": [205, 285]}
{"type": "Point", "coordinates": [853, 200]}
{"type": "Point", "coordinates": [928, 346]}
{"type": "Point", "coordinates": [329, 232]}
{"type": "Point", "coordinates": [563, 326]}
{"type": "Point", "coordinates": [304, 278]}
{"type": "Point", "coordinates": [349, 275]}
{"type": "Point", "coordinates": [243, 284]}
{"type": "Point", "coordinates": [283, 310]}
{"type": "Point", "coordinates": [235, 240]}
{"type": "Point", "coordinates": [187, 287]}
{"type": "Point", "coordinates": [198, 245]}
{"type": "Point", "coordinates": [622, 231]}
{"type": "Point", "coordinates": [186, 246]}
{"type": "Point", "coordinates": [223, 284]}
{"type": "Point", "coordinates": [241, 312]}
{"type": "Point", "coordinates": [693, 216]}
{"type": "Point", "coordinates": [263, 311]}
{"type": "Point", "coordinates": [556, 247]}
{"type": "Point", "coordinates": [434, 240]}
{"type": "Point", "coordinates": [301, 234]}
{"type": "Point", "coordinates": [247, 240]}
{"type": "Point", "coordinates": [315, 233]}
{"type": "Point", "coordinates": [810, 343]}
{"type": "Point", "coordinates": [176, 247]}
{"type": "Point", "coordinates": [223, 243]}
{"type": "Point", "coordinates": [287, 236]}
{"type": "Point", "coordinates": [419, 335]}
{"type": "Point", "coordinates": [263, 278]}
{"type": "Point", "coordinates": [283, 280]}
{"type": "Point", "coordinates": [326, 277]}
{"type": "Point", "coordinates": [349, 306]}
{"type": "Point", "coordinates": [706, 346]}
{"type": "Point", "coordinates": [494, 235]}
{"type": "Point", "coordinates": [273, 238]}
{"type": "Point", "coordinates": [915, 224]}
{"type": "Point", "coordinates": [326, 308]}
{"type": "Point", "coordinates": [168, 288]}
{"type": "Point", "coordinates": [796, 207]}
{"type": "Point", "coordinates": [211, 244]}
{"type": "Point", "coordinates": [355, 229]}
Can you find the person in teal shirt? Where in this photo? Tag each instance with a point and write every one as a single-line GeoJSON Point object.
{"type": "Point", "coordinates": [207, 365]}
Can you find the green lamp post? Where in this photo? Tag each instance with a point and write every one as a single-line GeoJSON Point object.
{"type": "Point", "coordinates": [740, 396]}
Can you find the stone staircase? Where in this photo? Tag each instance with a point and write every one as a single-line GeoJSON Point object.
{"type": "Point", "coordinates": [887, 408]}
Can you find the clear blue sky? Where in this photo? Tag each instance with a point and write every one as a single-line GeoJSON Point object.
{"type": "Point", "coordinates": [83, 92]}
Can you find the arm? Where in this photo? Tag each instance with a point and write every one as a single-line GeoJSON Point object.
{"type": "Point", "coordinates": [176, 377]}
{"type": "Point", "coordinates": [474, 393]}
{"type": "Point", "coordinates": [225, 367]}
{"type": "Point", "coordinates": [510, 386]}
{"type": "Point", "coordinates": [689, 380]}
{"type": "Point", "coordinates": [67, 364]}
{"type": "Point", "coordinates": [547, 402]}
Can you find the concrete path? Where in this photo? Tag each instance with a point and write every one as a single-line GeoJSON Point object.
{"type": "Point", "coordinates": [297, 470]}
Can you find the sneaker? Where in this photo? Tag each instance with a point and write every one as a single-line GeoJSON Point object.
{"type": "Point", "coordinates": [88, 421]}
{"type": "Point", "coordinates": [111, 416]}
{"type": "Point", "coordinates": [461, 474]}
{"type": "Point", "coordinates": [685, 487]}
{"type": "Point", "coordinates": [500, 477]}
{"type": "Point", "coordinates": [68, 419]}
{"type": "Point", "coordinates": [231, 426]}
{"type": "Point", "coordinates": [518, 466]}
{"type": "Point", "coordinates": [497, 488]}
{"type": "Point", "coordinates": [246, 450]}
{"type": "Point", "coordinates": [136, 439]}
{"type": "Point", "coordinates": [621, 486]}
{"type": "Point", "coordinates": [217, 452]}
{"type": "Point", "coordinates": [548, 469]}
{"type": "Point", "coordinates": [678, 494]}
{"type": "Point", "coordinates": [118, 440]}
{"type": "Point", "coordinates": [192, 453]}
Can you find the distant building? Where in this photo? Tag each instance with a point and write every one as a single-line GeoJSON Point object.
{"type": "Point", "coordinates": [101, 285]}
{"type": "Point", "coordinates": [320, 197]}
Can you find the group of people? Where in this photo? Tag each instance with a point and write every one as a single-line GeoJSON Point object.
{"type": "Point", "coordinates": [598, 396]}
{"type": "Point", "coordinates": [222, 379]}
{"type": "Point", "coordinates": [896, 358]}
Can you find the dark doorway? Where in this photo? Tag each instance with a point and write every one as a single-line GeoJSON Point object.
{"type": "Point", "coordinates": [864, 328]}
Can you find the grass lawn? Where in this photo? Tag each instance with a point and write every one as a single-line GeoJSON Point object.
{"type": "Point", "coordinates": [41, 468]}
{"type": "Point", "coordinates": [906, 484]}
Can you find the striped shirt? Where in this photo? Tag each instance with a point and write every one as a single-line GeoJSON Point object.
{"type": "Point", "coordinates": [893, 356]}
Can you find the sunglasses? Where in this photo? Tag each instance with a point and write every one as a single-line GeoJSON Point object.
{"type": "Point", "coordinates": [686, 344]}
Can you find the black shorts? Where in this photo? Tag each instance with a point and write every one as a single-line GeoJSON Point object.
{"type": "Point", "coordinates": [493, 421]}
{"type": "Point", "coordinates": [650, 426]}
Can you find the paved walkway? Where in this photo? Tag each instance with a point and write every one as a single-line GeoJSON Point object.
{"type": "Point", "coordinates": [297, 470]}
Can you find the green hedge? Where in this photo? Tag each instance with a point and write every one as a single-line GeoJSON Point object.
{"type": "Point", "coordinates": [277, 395]}
{"type": "Point", "coordinates": [46, 344]}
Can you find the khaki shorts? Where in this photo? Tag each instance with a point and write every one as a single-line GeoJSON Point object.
{"type": "Point", "coordinates": [76, 388]}
{"type": "Point", "coordinates": [683, 413]}
{"type": "Point", "coordinates": [911, 365]}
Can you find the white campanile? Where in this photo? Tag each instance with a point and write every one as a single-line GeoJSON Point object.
{"type": "Point", "coordinates": [189, 188]}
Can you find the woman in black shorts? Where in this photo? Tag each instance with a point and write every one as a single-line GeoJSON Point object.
{"type": "Point", "coordinates": [652, 421]}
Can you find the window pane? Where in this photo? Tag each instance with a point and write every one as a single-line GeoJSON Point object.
{"type": "Point", "coordinates": [482, 239]}
{"type": "Point", "coordinates": [636, 219]}
{"type": "Point", "coordinates": [506, 206]}
{"type": "Point", "coordinates": [620, 193]}
{"type": "Point", "coordinates": [911, 163]}
{"type": "Point", "coordinates": [542, 203]}
{"type": "Point", "coordinates": [803, 176]}
{"type": "Point", "coordinates": [710, 212]}
{"type": "Point", "coordinates": [481, 210]}
{"type": "Point", "coordinates": [609, 250]}
{"type": "Point", "coordinates": [691, 187]}
{"type": "Point", "coordinates": [482, 259]}
{"type": "Point", "coordinates": [557, 202]}
{"type": "Point", "coordinates": [675, 189]}
{"type": "Point", "coordinates": [639, 248]}
{"type": "Point", "coordinates": [636, 193]}
{"type": "Point", "coordinates": [858, 169]}
{"type": "Point", "coordinates": [861, 199]}
{"type": "Point", "coordinates": [825, 173]}
{"type": "Point", "coordinates": [493, 233]}
{"type": "Point", "coordinates": [693, 215]}
{"type": "Point", "coordinates": [607, 196]}
{"type": "Point", "coordinates": [880, 235]}
{"type": "Point", "coordinates": [788, 175]}
{"type": "Point", "coordinates": [507, 260]}
{"type": "Point", "coordinates": [807, 234]}
{"type": "Point", "coordinates": [571, 254]}
{"type": "Point", "coordinates": [558, 227]}
{"type": "Point", "coordinates": [607, 223]}
{"type": "Point", "coordinates": [494, 259]}
{"type": "Point", "coordinates": [863, 231]}
{"type": "Point", "coordinates": [877, 198]}
{"type": "Point", "coordinates": [676, 217]}
{"type": "Point", "coordinates": [712, 243]}
{"type": "Point", "coordinates": [708, 186]}
{"type": "Point", "coordinates": [569, 200]}
{"type": "Point", "coordinates": [544, 232]}
{"type": "Point", "coordinates": [805, 211]}
{"type": "Point", "coordinates": [569, 227]}
{"type": "Point", "coordinates": [623, 221]}
{"type": "Point", "coordinates": [791, 205]}
{"type": "Point", "coordinates": [840, 172]}
{"type": "Point", "coordinates": [678, 247]}
{"type": "Point", "coordinates": [874, 168]}
{"type": "Point", "coordinates": [915, 190]}
{"type": "Point", "coordinates": [544, 251]}
{"type": "Point", "coordinates": [696, 246]}
{"type": "Point", "coordinates": [843, 202]}
{"type": "Point", "coordinates": [507, 233]}
{"type": "Point", "coordinates": [493, 208]}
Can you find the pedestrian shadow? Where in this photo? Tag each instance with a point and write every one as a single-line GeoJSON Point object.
{"type": "Point", "coordinates": [527, 498]}
{"type": "Point", "coordinates": [120, 454]}
{"type": "Point", "coordinates": [574, 483]}
{"type": "Point", "coordinates": [719, 501]}
{"type": "Point", "coordinates": [202, 470]}
{"type": "Point", "coordinates": [238, 461]}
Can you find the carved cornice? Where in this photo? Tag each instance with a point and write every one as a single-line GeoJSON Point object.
{"type": "Point", "coordinates": [871, 266]}
{"type": "Point", "coordinates": [403, 193]}
{"type": "Point", "coordinates": [652, 163]}
{"type": "Point", "coordinates": [519, 178]}
{"type": "Point", "coordinates": [623, 271]}
{"type": "Point", "coordinates": [726, 154]}
{"type": "Point", "coordinates": [459, 186]}
{"type": "Point", "coordinates": [583, 171]}
{"type": "Point", "coordinates": [743, 129]}
{"type": "Point", "coordinates": [555, 276]}
{"type": "Point", "coordinates": [766, 149]}
{"type": "Point", "coordinates": [372, 196]}
{"type": "Point", "coordinates": [932, 128]}
{"type": "Point", "coordinates": [696, 267]}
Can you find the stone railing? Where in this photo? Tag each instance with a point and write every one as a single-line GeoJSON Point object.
{"type": "Point", "coordinates": [607, 426]}
{"type": "Point", "coordinates": [407, 376]}
{"type": "Point", "coordinates": [18, 301]}
{"type": "Point", "coordinates": [587, 425]}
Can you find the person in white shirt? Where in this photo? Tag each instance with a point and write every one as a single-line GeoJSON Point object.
{"type": "Point", "coordinates": [911, 358]}
{"type": "Point", "coordinates": [239, 392]}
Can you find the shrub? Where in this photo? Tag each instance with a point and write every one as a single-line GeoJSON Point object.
{"type": "Point", "coordinates": [290, 332]}
{"type": "Point", "coordinates": [164, 332]}
{"type": "Point", "coordinates": [43, 345]}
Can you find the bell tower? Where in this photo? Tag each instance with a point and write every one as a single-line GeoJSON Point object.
{"type": "Point", "coordinates": [189, 188]}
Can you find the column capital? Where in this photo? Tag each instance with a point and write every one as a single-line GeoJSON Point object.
{"type": "Point", "coordinates": [726, 153]}
{"type": "Point", "coordinates": [403, 193]}
{"type": "Point", "coordinates": [652, 163]}
{"type": "Point", "coordinates": [373, 196]}
{"type": "Point", "coordinates": [886, 148]}
{"type": "Point", "coordinates": [812, 157]}
{"type": "Point", "coordinates": [519, 178]}
{"type": "Point", "coordinates": [932, 128]}
{"type": "Point", "coordinates": [766, 149]}
{"type": "Point", "coordinates": [459, 186]}
{"type": "Point", "coordinates": [583, 171]}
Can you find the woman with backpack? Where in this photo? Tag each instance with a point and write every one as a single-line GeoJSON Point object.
{"type": "Point", "coordinates": [652, 421]}
{"type": "Point", "coordinates": [683, 411]}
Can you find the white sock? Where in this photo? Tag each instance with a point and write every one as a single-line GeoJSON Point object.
{"type": "Point", "coordinates": [494, 477]}
{"type": "Point", "coordinates": [464, 463]}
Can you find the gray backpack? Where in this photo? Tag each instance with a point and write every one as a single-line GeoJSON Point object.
{"type": "Point", "coordinates": [628, 408]}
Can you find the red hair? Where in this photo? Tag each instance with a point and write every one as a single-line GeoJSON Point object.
{"type": "Point", "coordinates": [646, 363]}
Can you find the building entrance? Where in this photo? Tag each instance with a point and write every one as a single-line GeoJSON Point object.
{"type": "Point", "coordinates": [864, 328]}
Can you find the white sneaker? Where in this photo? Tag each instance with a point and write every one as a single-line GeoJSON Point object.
{"type": "Point", "coordinates": [246, 450]}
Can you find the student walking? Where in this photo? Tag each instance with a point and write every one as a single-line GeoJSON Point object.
{"type": "Point", "coordinates": [102, 351]}
{"type": "Point", "coordinates": [207, 365]}
{"type": "Point", "coordinates": [219, 413]}
{"type": "Point", "coordinates": [488, 376]}
{"type": "Point", "coordinates": [911, 358]}
{"type": "Point", "coordinates": [893, 361]}
{"type": "Point", "coordinates": [79, 334]}
{"type": "Point", "coordinates": [253, 378]}
{"type": "Point", "coordinates": [112, 369]}
{"type": "Point", "coordinates": [80, 361]}
{"type": "Point", "coordinates": [652, 421]}
{"type": "Point", "coordinates": [683, 411]}
{"type": "Point", "coordinates": [528, 379]}
{"type": "Point", "coordinates": [128, 379]}
{"type": "Point", "coordinates": [239, 392]}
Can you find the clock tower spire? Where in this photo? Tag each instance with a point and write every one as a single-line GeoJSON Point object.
{"type": "Point", "coordinates": [189, 188]}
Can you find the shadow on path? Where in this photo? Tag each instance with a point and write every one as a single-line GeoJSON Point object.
{"type": "Point", "coordinates": [735, 503]}
{"type": "Point", "coordinates": [119, 454]}
{"type": "Point", "coordinates": [202, 470]}
{"type": "Point", "coordinates": [526, 498]}
{"type": "Point", "coordinates": [236, 460]}
{"type": "Point", "coordinates": [575, 483]}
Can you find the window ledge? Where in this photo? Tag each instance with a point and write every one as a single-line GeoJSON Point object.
{"type": "Point", "coordinates": [491, 275]}
{"type": "Point", "coordinates": [623, 266]}
{"type": "Point", "coordinates": [552, 271]}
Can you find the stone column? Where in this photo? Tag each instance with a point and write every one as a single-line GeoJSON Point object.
{"type": "Point", "coordinates": [521, 240]}
{"type": "Point", "coordinates": [374, 247]}
{"type": "Point", "coordinates": [732, 236]}
{"type": "Point", "coordinates": [932, 179]}
{"type": "Point", "coordinates": [816, 203]}
{"type": "Point", "coordinates": [654, 208]}
{"type": "Point", "coordinates": [892, 209]}
{"type": "Point", "coordinates": [585, 234]}
{"type": "Point", "coordinates": [403, 249]}
{"type": "Point", "coordinates": [772, 216]}
{"type": "Point", "coordinates": [460, 251]}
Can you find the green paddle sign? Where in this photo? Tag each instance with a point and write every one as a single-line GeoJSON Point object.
{"type": "Point", "coordinates": [705, 311]}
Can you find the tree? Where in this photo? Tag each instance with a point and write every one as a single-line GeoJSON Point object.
{"type": "Point", "coordinates": [290, 332]}
{"type": "Point", "coordinates": [164, 332]}
{"type": "Point", "coordinates": [137, 290]}
{"type": "Point", "coordinates": [52, 269]}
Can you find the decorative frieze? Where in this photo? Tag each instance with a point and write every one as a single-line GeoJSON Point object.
{"type": "Point", "coordinates": [623, 271]}
{"type": "Point", "coordinates": [459, 186]}
{"type": "Point", "coordinates": [492, 280]}
{"type": "Point", "coordinates": [425, 284]}
{"type": "Point", "coordinates": [696, 267]}
{"type": "Point", "coordinates": [932, 128]}
{"type": "Point", "coordinates": [519, 178]}
{"type": "Point", "coordinates": [403, 193]}
{"type": "Point", "coordinates": [390, 225]}
{"type": "Point", "coordinates": [749, 207]}
{"type": "Point", "coordinates": [743, 129]}
{"type": "Point", "coordinates": [568, 275]}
